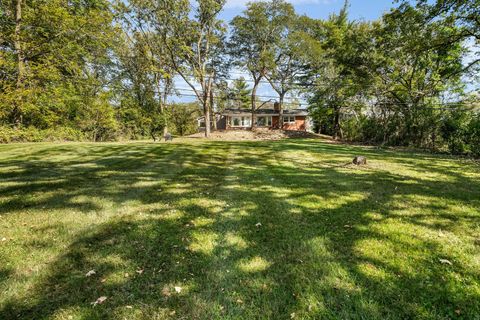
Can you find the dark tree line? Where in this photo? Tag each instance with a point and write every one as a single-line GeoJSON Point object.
{"type": "Point", "coordinates": [402, 80]}
{"type": "Point", "coordinates": [101, 70]}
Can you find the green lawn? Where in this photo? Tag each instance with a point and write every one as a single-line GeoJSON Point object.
{"type": "Point", "coordinates": [236, 230]}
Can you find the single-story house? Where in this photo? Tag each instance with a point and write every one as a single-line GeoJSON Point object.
{"type": "Point", "coordinates": [234, 119]}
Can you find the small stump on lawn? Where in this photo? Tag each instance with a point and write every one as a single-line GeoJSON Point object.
{"type": "Point", "coordinates": [360, 160]}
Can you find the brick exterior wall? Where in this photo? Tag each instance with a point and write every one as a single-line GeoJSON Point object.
{"type": "Point", "coordinates": [299, 125]}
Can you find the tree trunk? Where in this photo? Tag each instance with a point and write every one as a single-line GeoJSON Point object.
{"type": "Point", "coordinates": [337, 132]}
{"type": "Point", "coordinates": [213, 111]}
{"type": "Point", "coordinates": [280, 110]}
{"type": "Point", "coordinates": [18, 43]}
{"type": "Point", "coordinates": [206, 111]}
{"type": "Point", "coordinates": [206, 114]}
{"type": "Point", "coordinates": [214, 122]}
{"type": "Point", "coordinates": [254, 101]}
{"type": "Point", "coordinates": [163, 105]}
{"type": "Point", "coordinates": [17, 113]}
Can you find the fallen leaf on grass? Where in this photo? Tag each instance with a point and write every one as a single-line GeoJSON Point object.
{"type": "Point", "coordinates": [90, 273]}
{"type": "Point", "coordinates": [99, 300]}
{"type": "Point", "coordinates": [445, 261]}
{"type": "Point", "coordinates": [139, 271]}
{"type": "Point", "coordinates": [166, 292]}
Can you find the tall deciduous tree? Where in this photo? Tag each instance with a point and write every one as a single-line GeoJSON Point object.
{"type": "Point", "coordinates": [288, 67]}
{"type": "Point", "coordinates": [465, 13]}
{"type": "Point", "coordinates": [143, 84]}
{"type": "Point", "coordinates": [253, 38]}
{"type": "Point", "coordinates": [192, 40]}
{"type": "Point", "coordinates": [333, 72]}
{"type": "Point", "coordinates": [195, 43]}
{"type": "Point", "coordinates": [48, 53]}
{"type": "Point", "coordinates": [412, 73]}
{"type": "Point", "coordinates": [156, 70]}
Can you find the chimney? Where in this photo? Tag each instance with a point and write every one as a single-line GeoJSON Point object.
{"type": "Point", "coordinates": [276, 106]}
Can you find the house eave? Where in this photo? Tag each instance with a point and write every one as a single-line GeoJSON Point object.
{"type": "Point", "coordinates": [262, 113]}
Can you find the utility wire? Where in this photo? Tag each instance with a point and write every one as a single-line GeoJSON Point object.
{"type": "Point", "coordinates": [292, 101]}
{"type": "Point", "coordinates": [437, 107]}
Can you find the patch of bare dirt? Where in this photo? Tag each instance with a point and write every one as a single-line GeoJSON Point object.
{"type": "Point", "coordinates": [257, 134]}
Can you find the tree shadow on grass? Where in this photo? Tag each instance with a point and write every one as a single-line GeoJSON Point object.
{"type": "Point", "coordinates": [249, 234]}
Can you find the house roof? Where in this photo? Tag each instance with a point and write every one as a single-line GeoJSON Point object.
{"type": "Point", "coordinates": [294, 112]}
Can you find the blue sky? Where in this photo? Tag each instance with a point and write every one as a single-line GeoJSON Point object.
{"type": "Point", "coordinates": [359, 9]}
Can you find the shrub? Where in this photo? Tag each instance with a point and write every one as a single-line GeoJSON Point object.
{"type": "Point", "coordinates": [473, 134]}
{"type": "Point", "coordinates": [32, 134]}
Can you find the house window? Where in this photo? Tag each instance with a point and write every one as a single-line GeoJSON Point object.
{"type": "Point", "coordinates": [236, 121]}
{"type": "Point", "coordinates": [240, 122]}
{"type": "Point", "coordinates": [289, 119]}
{"type": "Point", "coordinates": [264, 121]}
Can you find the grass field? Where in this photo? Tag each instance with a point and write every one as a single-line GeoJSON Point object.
{"type": "Point", "coordinates": [236, 230]}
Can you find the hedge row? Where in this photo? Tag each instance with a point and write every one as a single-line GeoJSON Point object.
{"type": "Point", "coordinates": [32, 134]}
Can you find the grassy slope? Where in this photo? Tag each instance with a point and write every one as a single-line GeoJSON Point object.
{"type": "Point", "coordinates": [335, 241]}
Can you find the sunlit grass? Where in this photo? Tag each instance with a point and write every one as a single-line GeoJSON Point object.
{"type": "Point", "coordinates": [236, 230]}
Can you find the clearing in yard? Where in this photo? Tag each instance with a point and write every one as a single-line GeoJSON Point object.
{"type": "Point", "coordinates": [201, 229]}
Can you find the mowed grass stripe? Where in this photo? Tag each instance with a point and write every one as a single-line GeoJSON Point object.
{"type": "Point", "coordinates": [237, 230]}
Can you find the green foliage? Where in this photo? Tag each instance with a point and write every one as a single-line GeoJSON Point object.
{"type": "Point", "coordinates": [58, 41]}
{"type": "Point", "coordinates": [106, 68]}
{"type": "Point", "coordinates": [473, 135]}
{"type": "Point", "coordinates": [254, 35]}
{"type": "Point", "coordinates": [240, 93]}
{"type": "Point", "coordinates": [55, 63]}
{"type": "Point", "coordinates": [255, 39]}
{"type": "Point", "coordinates": [339, 79]}
{"type": "Point", "coordinates": [183, 117]}
{"type": "Point", "coordinates": [97, 120]}
{"type": "Point", "coordinates": [384, 81]}
{"type": "Point", "coordinates": [454, 129]}
{"type": "Point", "coordinates": [190, 39]}
{"type": "Point", "coordinates": [461, 131]}
{"type": "Point", "coordinates": [32, 134]}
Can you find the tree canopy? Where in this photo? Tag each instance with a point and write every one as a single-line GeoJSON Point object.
{"type": "Point", "coordinates": [103, 70]}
